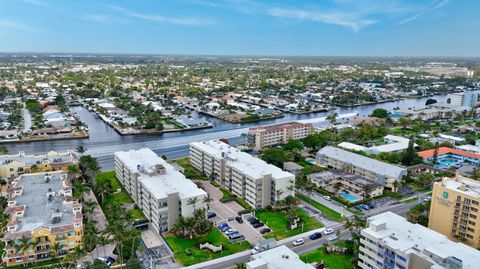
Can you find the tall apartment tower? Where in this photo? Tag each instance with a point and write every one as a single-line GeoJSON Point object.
{"type": "Point", "coordinates": [454, 211]}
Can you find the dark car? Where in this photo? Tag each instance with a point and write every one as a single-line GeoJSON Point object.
{"type": "Point", "coordinates": [315, 235]}
{"type": "Point", "coordinates": [239, 219]}
{"type": "Point", "coordinates": [211, 214]}
{"type": "Point", "coordinates": [371, 205]}
{"type": "Point", "coordinates": [265, 230]}
{"type": "Point", "coordinates": [250, 218]}
{"type": "Point", "coordinates": [258, 224]}
{"type": "Point", "coordinates": [253, 221]}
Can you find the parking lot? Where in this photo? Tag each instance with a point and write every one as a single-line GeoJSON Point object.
{"type": "Point", "coordinates": [226, 212]}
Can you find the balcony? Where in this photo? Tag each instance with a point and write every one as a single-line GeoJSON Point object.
{"type": "Point", "coordinates": [390, 255]}
{"type": "Point", "coordinates": [389, 264]}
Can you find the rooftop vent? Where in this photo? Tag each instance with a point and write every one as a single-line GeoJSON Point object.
{"type": "Point", "coordinates": [56, 217]}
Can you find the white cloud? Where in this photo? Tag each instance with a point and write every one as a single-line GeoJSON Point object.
{"type": "Point", "coordinates": [35, 2]}
{"type": "Point", "coordinates": [161, 19]}
{"type": "Point", "coordinates": [96, 17]}
{"type": "Point", "coordinates": [409, 19]}
{"type": "Point", "coordinates": [440, 4]}
{"type": "Point", "coordinates": [13, 25]}
{"type": "Point", "coordinates": [349, 20]}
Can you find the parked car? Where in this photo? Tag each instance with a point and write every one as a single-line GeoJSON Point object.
{"type": "Point", "coordinates": [258, 224]}
{"type": "Point", "coordinates": [220, 226]}
{"type": "Point", "coordinates": [328, 231]}
{"type": "Point", "coordinates": [230, 231]}
{"type": "Point", "coordinates": [253, 221]}
{"type": "Point", "coordinates": [332, 238]}
{"type": "Point", "coordinates": [250, 218]}
{"type": "Point", "coordinates": [326, 197]}
{"type": "Point", "coordinates": [224, 228]}
{"type": "Point", "coordinates": [315, 236]}
{"type": "Point", "coordinates": [298, 242]}
{"type": "Point", "coordinates": [211, 214]}
{"type": "Point", "coordinates": [236, 237]}
{"type": "Point", "coordinates": [427, 198]}
{"type": "Point", "coordinates": [107, 260]}
{"type": "Point", "coordinates": [370, 205]}
{"type": "Point", "coordinates": [265, 230]}
{"type": "Point", "coordinates": [239, 219]}
{"type": "Point", "coordinates": [359, 207]}
{"type": "Point", "coordinates": [365, 207]}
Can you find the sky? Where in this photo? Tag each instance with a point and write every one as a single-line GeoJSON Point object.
{"type": "Point", "coordinates": [243, 27]}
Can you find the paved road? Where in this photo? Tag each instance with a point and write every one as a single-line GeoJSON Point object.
{"type": "Point", "coordinates": [243, 257]}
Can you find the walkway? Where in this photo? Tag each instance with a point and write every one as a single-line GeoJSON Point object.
{"type": "Point", "coordinates": [98, 216]}
{"type": "Point", "coordinates": [27, 121]}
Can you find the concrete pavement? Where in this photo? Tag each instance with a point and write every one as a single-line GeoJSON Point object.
{"type": "Point", "coordinates": [98, 215]}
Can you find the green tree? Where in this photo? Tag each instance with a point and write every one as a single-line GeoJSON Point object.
{"type": "Point", "coordinates": [274, 156]}
{"type": "Point", "coordinates": [380, 113]}
{"type": "Point", "coordinates": [430, 101]}
{"type": "Point", "coordinates": [293, 144]}
{"type": "Point", "coordinates": [3, 150]}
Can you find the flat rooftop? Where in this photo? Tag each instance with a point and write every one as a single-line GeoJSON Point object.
{"type": "Point", "coordinates": [462, 185]}
{"type": "Point", "coordinates": [278, 258]}
{"type": "Point", "coordinates": [39, 208]}
{"type": "Point", "coordinates": [242, 161]}
{"type": "Point", "coordinates": [412, 238]}
{"type": "Point", "coordinates": [328, 175]}
{"type": "Point", "coordinates": [160, 185]}
{"type": "Point", "coordinates": [363, 162]}
{"type": "Point", "coordinates": [50, 157]}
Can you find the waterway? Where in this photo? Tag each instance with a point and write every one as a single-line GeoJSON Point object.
{"type": "Point", "coordinates": [104, 141]}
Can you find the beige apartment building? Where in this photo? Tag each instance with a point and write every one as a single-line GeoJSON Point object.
{"type": "Point", "coordinates": [454, 211]}
{"type": "Point", "coordinates": [16, 164]}
{"type": "Point", "coordinates": [259, 183]}
{"type": "Point", "coordinates": [161, 192]}
{"type": "Point", "coordinates": [41, 209]}
{"type": "Point", "coordinates": [265, 136]}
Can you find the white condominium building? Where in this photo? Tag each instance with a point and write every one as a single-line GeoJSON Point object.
{"type": "Point", "coordinates": [250, 178]}
{"type": "Point", "coordinates": [391, 242]}
{"type": "Point", "coordinates": [162, 192]}
{"type": "Point", "coordinates": [265, 136]}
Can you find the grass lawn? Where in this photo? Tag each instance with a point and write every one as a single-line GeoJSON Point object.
{"type": "Point", "coordinates": [226, 194]}
{"type": "Point", "coordinates": [332, 261]}
{"type": "Point", "coordinates": [329, 213]}
{"type": "Point", "coordinates": [190, 172]}
{"type": "Point", "coordinates": [109, 176]}
{"type": "Point", "coordinates": [179, 245]}
{"type": "Point", "coordinates": [120, 197]}
{"type": "Point", "coordinates": [278, 223]}
{"type": "Point", "coordinates": [136, 214]}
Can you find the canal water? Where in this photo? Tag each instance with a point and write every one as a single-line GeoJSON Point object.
{"type": "Point", "coordinates": [103, 140]}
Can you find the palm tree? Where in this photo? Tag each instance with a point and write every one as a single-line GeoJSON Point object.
{"type": "Point", "coordinates": [73, 171]}
{"type": "Point", "coordinates": [33, 168]}
{"type": "Point", "coordinates": [240, 266]}
{"type": "Point", "coordinates": [80, 149]}
{"type": "Point", "coordinates": [89, 208]}
{"type": "Point", "coordinates": [366, 191]}
{"type": "Point", "coordinates": [278, 193]}
{"type": "Point", "coordinates": [102, 189]}
{"type": "Point", "coordinates": [193, 201]}
{"type": "Point", "coordinates": [55, 249]}
{"type": "Point", "coordinates": [309, 188]}
{"type": "Point", "coordinates": [207, 199]}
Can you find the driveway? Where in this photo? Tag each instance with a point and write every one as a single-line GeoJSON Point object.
{"type": "Point", "coordinates": [100, 251]}
{"type": "Point", "coordinates": [228, 211]}
{"type": "Point", "coordinates": [330, 204]}
{"type": "Point", "coordinates": [27, 121]}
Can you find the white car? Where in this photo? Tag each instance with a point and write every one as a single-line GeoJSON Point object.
{"type": "Point", "coordinates": [230, 231]}
{"type": "Point", "coordinates": [298, 242]}
{"type": "Point", "coordinates": [328, 231]}
{"type": "Point", "coordinates": [332, 238]}
{"type": "Point", "coordinates": [328, 198]}
{"type": "Point", "coordinates": [428, 198]}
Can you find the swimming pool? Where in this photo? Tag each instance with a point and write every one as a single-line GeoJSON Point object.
{"type": "Point", "coordinates": [310, 161]}
{"type": "Point", "coordinates": [348, 197]}
{"type": "Point", "coordinates": [447, 162]}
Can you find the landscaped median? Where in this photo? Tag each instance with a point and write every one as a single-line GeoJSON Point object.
{"type": "Point", "coordinates": [327, 212]}
{"type": "Point", "coordinates": [278, 223]}
{"type": "Point", "coordinates": [189, 171]}
{"type": "Point", "coordinates": [332, 260]}
{"type": "Point", "coordinates": [187, 252]}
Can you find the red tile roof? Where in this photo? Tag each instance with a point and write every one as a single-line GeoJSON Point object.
{"type": "Point", "coordinates": [445, 150]}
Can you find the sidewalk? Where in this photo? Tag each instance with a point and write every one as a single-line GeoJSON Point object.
{"type": "Point", "coordinates": [99, 217]}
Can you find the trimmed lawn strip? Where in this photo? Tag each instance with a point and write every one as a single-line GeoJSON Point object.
{"type": "Point", "coordinates": [189, 171]}
{"type": "Point", "coordinates": [215, 237]}
{"type": "Point", "coordinates": [136, 214]}
{"type": "Point", "coordinates": [120, 197]}
{"type": "Point", "coordinates": [329, 213]}
{"type": "Point", "coordinates": [331, 260]}
{"type": "Point", "coordinates": [110, 176]}
{"type": "Point", "coordinates": [277, 221]}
